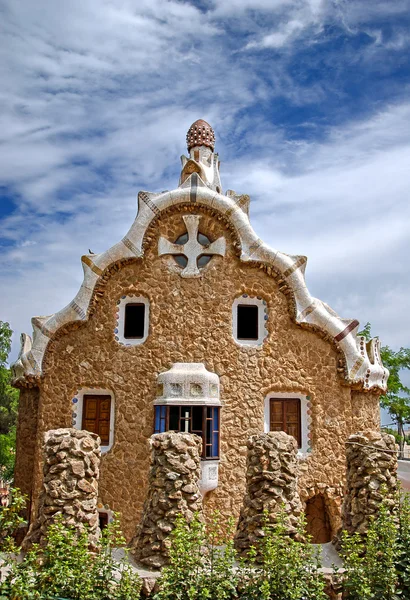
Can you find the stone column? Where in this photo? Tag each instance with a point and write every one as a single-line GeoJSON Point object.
{"type": "Point", "coordinates": [371, 458]}
{"type": "Point", "coordinates": [173, 490]}
{"type": "Point", "coordinates": [271, 484]}
{"type": "Point", "coordinates": [70, 483]}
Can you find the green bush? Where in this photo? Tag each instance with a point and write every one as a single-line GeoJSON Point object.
{"type": "Point", "coordinates": [202, 566]}
{"type": "Point", "coordinates": [11, 519]}
{"type": "Point", "coordinates": [66, 568]}
{"type": "Point", "coordinates": [282, 568]}
{"type": "Point", "coordinates": [403, 553]}
{"type": "Point", "coordinates": [371, 561]}
{"type": "Point", "coordinates": [201, 562]}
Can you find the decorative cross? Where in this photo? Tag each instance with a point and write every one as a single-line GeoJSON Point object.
{"type": "Point", "coordinates": [192, 249]}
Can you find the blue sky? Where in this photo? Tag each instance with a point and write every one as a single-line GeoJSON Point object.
{"type": "Point", "coordinates": [309, 100]}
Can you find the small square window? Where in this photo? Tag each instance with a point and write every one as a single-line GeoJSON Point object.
{"type": "Point", "coordinates": [249, 320]}
{"type": "Point", "coordinates": [247, 324]}
{"type": "Point", "coordinates": [134, 322]}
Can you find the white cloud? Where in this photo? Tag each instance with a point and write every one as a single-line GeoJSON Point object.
{"type": "Point", "coordinates": [96, 104]}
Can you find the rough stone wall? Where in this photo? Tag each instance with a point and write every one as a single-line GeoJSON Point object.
{"type": "Point", "coordinates": [271, 484]}
{"type": "Point", "coordinates": [371, 463]}
{"type": "Point", "coordinates": [365, 411]}
{"type": "Point", "coordinates": [26, 440]}
{"type": "Point", "coordinates": [191, 321]}
{"type": "Point", "coordinates": [70, 483]}
{"type": "Point", "coordinates": [172, 490]}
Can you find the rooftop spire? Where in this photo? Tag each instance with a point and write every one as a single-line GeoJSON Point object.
{"type": "Point", "coordinates": [200, 134]}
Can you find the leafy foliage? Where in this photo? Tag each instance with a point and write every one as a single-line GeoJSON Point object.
{"type": "Point", "coordinates": [66, 568]}
{"type": "Point", "coordinates": [371, 562]}
{"type": "Point", "coordinates": [11, 519]}
{"type": "Point", "coordinates": [202, 566]}
{"type": "Point", "coordinates": [282, 568]}
{"type": "Point", "coordinates": [201, 563]}
{"type": "Point", "coordinates": [403, 550]}
{"type": "Point", "coordinates": [8, 407]}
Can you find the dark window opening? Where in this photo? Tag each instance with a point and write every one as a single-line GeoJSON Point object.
{"type": "Point", "coordinates": [134, 321]}
{"type": "Point", "coordinates": [103, 520]}
{"type": "Point", "coordinates": [201, 420]}
{"type": "Point", "coordinates": [181, 260]}
{"type": "Point", "coordinates": [202, 239]}
{"type": "Point", "coordinates": [182, 239]}
{"type": "Point", "coordinates": [97, 415]}
{"type": "Point", "coordinates": [317, 520]}
{"type": "Point", "coordinates": [203, 260]}
{"type": "Point", "coordinates": [285, 416]}
{"type": "Point", "coordinates": [247, 322]}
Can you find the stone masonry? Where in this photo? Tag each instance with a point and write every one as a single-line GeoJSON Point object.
{"type": "Point", "coordinates": [172, 490]}
{"type": "Point", "coordinates": [183, 313]}
{"type": "Point", "coordinates": [70, 483]}
{"type": "Point", "coordinates": [271, 484]}
{"type": "Point", "coordinates": [371, 463]}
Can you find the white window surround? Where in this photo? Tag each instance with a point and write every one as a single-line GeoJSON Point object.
{"type": "Point", "coordinates": [77, 407]}
{"type": "Point", "coordinates": [120, 320]}
{"type": "Point", "coordinates": [262, 318]}
{"type": "Point", "coordinates": [305, 418]}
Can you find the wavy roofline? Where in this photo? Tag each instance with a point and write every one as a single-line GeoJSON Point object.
{"type": "Point", "coordinates": [362, 361]}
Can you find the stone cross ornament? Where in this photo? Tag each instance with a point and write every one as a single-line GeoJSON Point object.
{"type": "Point", "coordinates": [193, 249]}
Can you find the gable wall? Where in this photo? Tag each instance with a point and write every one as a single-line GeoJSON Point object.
{"type": "Point", "coordinates": [191, 321]}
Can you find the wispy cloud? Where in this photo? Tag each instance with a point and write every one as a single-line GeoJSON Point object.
{"type": "Point", "coordinates": [309, 102]}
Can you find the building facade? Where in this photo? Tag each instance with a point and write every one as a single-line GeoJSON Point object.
{"type": "Point", "coordinates": [193, 323]}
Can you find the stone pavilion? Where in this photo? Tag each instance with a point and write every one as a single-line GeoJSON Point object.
{"type": "Point", "coordinates": [192, 323]}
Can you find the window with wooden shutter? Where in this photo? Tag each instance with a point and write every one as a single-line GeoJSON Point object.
{"type": "Point", "coordinates": [285, 415]}
{"type": "Point", "coordinates": [96, 416]}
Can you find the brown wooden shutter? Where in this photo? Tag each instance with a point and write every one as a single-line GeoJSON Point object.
{"type": "Point", "coordinates": [285, 416]}
{"type": "Point", "coordinates": [96, 416]}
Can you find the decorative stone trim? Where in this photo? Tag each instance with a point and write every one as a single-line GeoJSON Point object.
{"type": "Point", "coordinates": [305, 414]}
{"type": "Point", "coordinates": [120, 320]}
{"type": "Point", "coordinates": [77, 408]}
{"type": "Point", "coordinates": [262, 319]}
{"type": "Point", "coordinates": [188, 383]}
{"type": "Point", "coordinates": [306, 310]}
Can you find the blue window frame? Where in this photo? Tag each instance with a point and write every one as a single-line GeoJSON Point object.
{"type": "Point", "coordinates": [201, 420]}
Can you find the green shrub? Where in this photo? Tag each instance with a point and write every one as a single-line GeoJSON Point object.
{"type": "Point", "coordinates": [66, 568]}
{"type": "Point", "coordinates": [403, 553]}
{"type": "Point", "coordinates": [281, 568]}
{"type": "Point", "coordinates": [11, 519]}
{"type": "Point", "coordinates": [202, 566]}
{"type": "Point", "coordinates": [201, 562]}
{"type": "Point", "coordinates": [371, 561]}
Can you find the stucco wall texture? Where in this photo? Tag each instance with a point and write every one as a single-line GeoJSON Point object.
{"type": "Point", "coordinates": [191, 321]}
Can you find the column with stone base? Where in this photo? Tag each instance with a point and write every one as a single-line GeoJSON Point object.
{"type": "Point", "coordinates": [70, 484]}
{"type": "Point", "coordinates": [371, 459]}
{"type": "Point", "coordinates": [271, 485]}
{"type": "Point", "coordinates": [173, 490]}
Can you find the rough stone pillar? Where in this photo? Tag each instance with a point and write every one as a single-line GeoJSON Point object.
{"type": "Point", "coordinates": [173, 490]}
{"type": "Point", "coordinates": [70, 483]}
{"type": "Point", "coordinates": [371, 458]}
{"type": "Point", "coordinates": [271, 484]}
